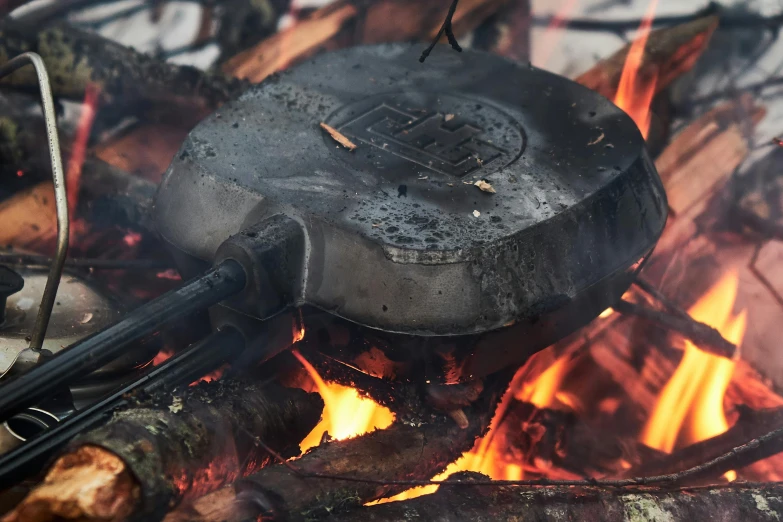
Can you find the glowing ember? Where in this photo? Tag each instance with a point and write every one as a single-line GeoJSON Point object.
{"type": "Point", "coordinates": [211, 376]}
{"type": "Point", "coordinates": [346, 414]}
{"type": "Point", "coordinates": [162, 356]}
{"type": "Point", "coordinates": [132, 239]}
{"type": "Point", "coordinates": [19, 173]}
{"type": "Point", "coordinates": [297, 331]}
{"type": "Point", "coordinates": [79, 148]}
{"type": "Point", "coordinates": [634, 93]}
{"type": "Point", "coordinates": [170, 274]}
{"type": "Point", "coordinates": [690, 406]}
{"type": "Point", "coordinates": [606, 313]}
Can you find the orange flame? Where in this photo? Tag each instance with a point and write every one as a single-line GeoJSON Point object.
{"type": "Point", "coordinates": [541, 391]}
{"type": "Point", "coordinates": [486, 456]}
{"type": "Point", "coordinates": [79, 148]}
{"type": "Point", "coordinates": [346, 414]}
{"type": "Point", "coordinates": [634, 93]}
{"type": "Point", "coordinates": [690, 406]}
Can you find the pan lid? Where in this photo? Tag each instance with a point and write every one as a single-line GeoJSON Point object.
{"type": "Point", "coordinates": [480, 190]}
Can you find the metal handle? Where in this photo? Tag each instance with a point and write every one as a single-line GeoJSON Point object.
{"type": "Point", "coordinates": [60, 196]}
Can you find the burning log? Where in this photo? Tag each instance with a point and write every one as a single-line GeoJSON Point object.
{"type": "Point", "coordinates": [172, 447]}
{"type": "Point", "coordinates": [669, 53]}
{"type": "Point", "coordinates": [750, 425]}
{"type": "Point", "coordinates": [329, 25]}
{"type": "Point", "coordinates": [304, 488]}
{"type": "Point", "coordinates": [546, 437]}
{"type": "Point", "coordinates": [125, 78]}
{"type": "Point", "coordinates": [703, 335]}
{"type": "Point", "coordinates": [467, 502]}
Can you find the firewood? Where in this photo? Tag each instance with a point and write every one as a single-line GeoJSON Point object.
{"type": "Point", "coordinates": [688, 162]}
{"type": "Point", "coordinates": [180, 445]}
{"type": "Point", "coordinates": [281, 49]}
{"type": "Point", "coordinates": [762, 503]}
{"type": "Point", "coordinates": [29, 217]}
{"type": "Point", "coordinates": [87, 484]}
{"type": "Point", "coordinates": [703, 335]}
{"type": "Point", "coordinates": [405, 450]}
{"type": "Point", "coordinates": [544, 437]}
{"type": "Point", "coordinates": [128, 81]}
{"type": "Point", "coordinates": [379, 21]}
{"type": "Point", "coordinates": [121, 199]}
{"type": "Point", "coordinates": [750, 424]}
{"type": "Point", "coordinates": [669, 53]}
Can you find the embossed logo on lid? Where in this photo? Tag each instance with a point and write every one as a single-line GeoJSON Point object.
{"type": "Point", "coordinates": [446, 134]}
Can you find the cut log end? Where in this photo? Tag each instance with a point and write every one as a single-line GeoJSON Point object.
{"type": "Point", "coordinates": [89, 484]}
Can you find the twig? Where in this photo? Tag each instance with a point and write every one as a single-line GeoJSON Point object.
{"type": "Point", "coordinates": [338, 136]}
{"type": "Point", "coordinates": [668, 478]}
{"type": "Point", "coordinates": [703, 335]}
{"type": "Point", "coordinates": [445, 28]}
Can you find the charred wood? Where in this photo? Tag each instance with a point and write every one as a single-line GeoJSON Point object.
{"type": "Point", "coordinates": [307, 487]}
{"type": "Point", "coordinates": [750, 425]}
{"type": "Point", "coordinates": [760, 503]}
{"type": "Point", "coordinates": [128, 81]}
{"type": "Point", "coordinates": [176, 445]}
{"type": "Point", "coordinates": [545, 437]}
{"type": "Point", "coordinates": [703, 335]}
{"type": "Point", "coordinates": [669, 52]}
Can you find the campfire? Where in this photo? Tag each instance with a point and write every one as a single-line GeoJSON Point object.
{"type": "Point", "coordinates": [371, 260]}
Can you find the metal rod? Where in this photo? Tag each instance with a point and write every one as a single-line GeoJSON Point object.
{"type": "Point", "coordinates": [60, 196]}
{"type": "Point", "coordinates": [91, 353]}
{"type": "Point", "coordinates": [188, 365]}
{"type": "Point", "coordinates": [33, 260]}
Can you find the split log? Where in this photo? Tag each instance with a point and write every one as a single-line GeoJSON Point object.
{"type": "Point", "coordinates": [336, 26]}
{"type": "Point", "coordinates": [403, 451]}
{"type": "Point", "coordinates": [489, 503]}
{"type": "Point", "coordinates": [128, 81]}
{"type": "Point", "coordinates": [669, 53]}
{"type": "Point", "coordinates": [176, 446]}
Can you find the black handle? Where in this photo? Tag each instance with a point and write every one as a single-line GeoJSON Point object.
{"type": "Point", "coordinates": [89, 354]}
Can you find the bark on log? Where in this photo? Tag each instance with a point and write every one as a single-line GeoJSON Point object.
{"type": "Point", "coordinates": [489, 503]}
{"type": "Point", "coordinates": [400, 452]}
{"type": "Point", "coordinates": [127, 80]}
{"type": "Point", "coordinates": [669, 53]}
{"type": "Point", "coordinates": [378, 21]}
{"type": "Point", "coordinates": [192, 442]}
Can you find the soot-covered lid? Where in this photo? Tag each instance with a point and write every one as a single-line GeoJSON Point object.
{"type": "Point", "coordinates": [399, 237]}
